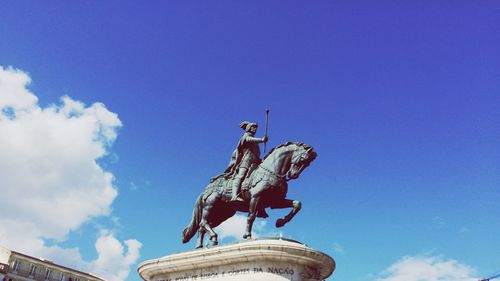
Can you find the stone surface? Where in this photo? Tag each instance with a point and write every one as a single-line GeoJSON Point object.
{"type": "Point", "coordinates": [266, 259]}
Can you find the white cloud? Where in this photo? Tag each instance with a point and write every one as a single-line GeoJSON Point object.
{"type": "Point", "coordinates": [13, 92]}
{"type": "Point", "coordinates": [114, 261]}
{"type": "Point", "coordinates": [235, 227]}
{"type": "Point", "coordinates": [50, 181]}
{"type": "Point", "coordinates": [428, 269]}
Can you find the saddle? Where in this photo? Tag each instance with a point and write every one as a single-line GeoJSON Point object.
{"type": "Point", "coordinates": [224, 185]}
{"type": "Point", "coordinates": [229, 174]}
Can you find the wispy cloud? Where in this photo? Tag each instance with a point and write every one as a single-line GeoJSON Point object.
{"type": "Point", "coordinates": [133, 186]}
{"type": "Point", "coordinates": [463, 231]}
{"type": "Point", "coordinates": [337, 248]}
{"type": "Point", "coordinates": [438, 222]}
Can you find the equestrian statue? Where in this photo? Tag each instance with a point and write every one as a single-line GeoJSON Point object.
{"type": "Point", "coordinates": [250, 184]}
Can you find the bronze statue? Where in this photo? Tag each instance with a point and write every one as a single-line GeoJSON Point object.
{"type": "Point", "coordinates": [264, 187]}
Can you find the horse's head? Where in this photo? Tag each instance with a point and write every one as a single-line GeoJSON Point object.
{"type": "Point", "coordinates": [302, 156]}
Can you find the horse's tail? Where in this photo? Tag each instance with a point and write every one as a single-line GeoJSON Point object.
{"type": "Point", "coordinates": [193, 226]}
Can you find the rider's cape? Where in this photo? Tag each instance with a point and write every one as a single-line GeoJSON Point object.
{"type": "Point", "coordinates": [246, 155]}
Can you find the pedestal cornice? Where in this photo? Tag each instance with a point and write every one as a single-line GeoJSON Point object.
{"type": "Point", "coordinates": [273, 252]}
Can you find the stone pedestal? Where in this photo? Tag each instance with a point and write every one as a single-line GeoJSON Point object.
{"type": "Point", "coordinates": [266, 259]}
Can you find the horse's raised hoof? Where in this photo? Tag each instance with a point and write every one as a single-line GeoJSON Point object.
{"type": "Point", "coordinates": [280, 222]}
{"type": "Point", "coordinates": [247, 236]}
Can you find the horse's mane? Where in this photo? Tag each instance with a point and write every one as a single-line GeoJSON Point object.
{"type": "Point", "coordinates": [305, 146]}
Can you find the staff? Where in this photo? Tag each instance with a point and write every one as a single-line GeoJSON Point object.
{"type": "Point", "coordinates": [265, 134]}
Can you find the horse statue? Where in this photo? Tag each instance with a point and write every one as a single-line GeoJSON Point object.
{"type": "Point", "coordinates": [265, 187]}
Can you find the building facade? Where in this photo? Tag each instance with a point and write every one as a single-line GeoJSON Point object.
{"type": "Point", "coordinates": [15, 266]}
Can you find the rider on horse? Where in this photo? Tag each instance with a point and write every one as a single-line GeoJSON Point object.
{"type": "Point", "coordinates": [268, 186]}
{"type": "Point", "coordinates": [245, 157]}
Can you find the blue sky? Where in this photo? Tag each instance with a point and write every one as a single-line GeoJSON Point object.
{"type": "Point", "coordinates": [400, 100]}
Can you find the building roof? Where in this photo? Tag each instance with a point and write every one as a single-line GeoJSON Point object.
{"type": "Point", "coordinates": [58, 265]}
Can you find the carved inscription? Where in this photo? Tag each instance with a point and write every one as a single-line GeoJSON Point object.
{"type": "Point", "coordinates": [286, 271]}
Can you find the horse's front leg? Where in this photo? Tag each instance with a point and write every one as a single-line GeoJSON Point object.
{"type": "Point", "coordinates": [252, 213]}
{"type": "Point", "coordinates": [287, 203]}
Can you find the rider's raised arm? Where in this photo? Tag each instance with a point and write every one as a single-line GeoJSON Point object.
{"type": "Point", "coordinates": [253, 139]}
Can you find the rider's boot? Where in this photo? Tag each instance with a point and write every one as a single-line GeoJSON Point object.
{"type": "Point", "coordinates": [236, 186]}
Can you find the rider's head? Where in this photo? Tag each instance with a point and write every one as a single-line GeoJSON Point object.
{"type": "Point", "coordinates": [249, 127]}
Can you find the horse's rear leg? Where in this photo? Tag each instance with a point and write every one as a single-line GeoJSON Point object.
{"type": "Point", "coordinates": [252, 213]}
{"type": "Point", "coordinates": [213, 235]}
{"type": "Point", "coordinates": [204, 221]}
{"type": "Point", "coordinates": [201, 234]}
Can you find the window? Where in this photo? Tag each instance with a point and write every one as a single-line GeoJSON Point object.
{"type": "Point", "coordinates": [32, 270]}
{"type": "Point", "coordinates": [3, 268]}
{"type": "Point", "coordinates": [63, 277]}
{"type": "Point", "coordinates": [17, 265]}
{"type": "Point", "coordinates": [77, 279]}
{"type": "Point", "coordinates": [48, 273]}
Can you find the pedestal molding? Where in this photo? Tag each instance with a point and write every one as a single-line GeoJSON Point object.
{"type": "Point", "coordinates": [256, 251]}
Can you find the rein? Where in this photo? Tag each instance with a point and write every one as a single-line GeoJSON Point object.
{"type": "Point", "coordinates": [283, 177]}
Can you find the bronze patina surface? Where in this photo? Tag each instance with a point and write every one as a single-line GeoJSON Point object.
{"type": "Point", "coordinates": [251, 185]}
